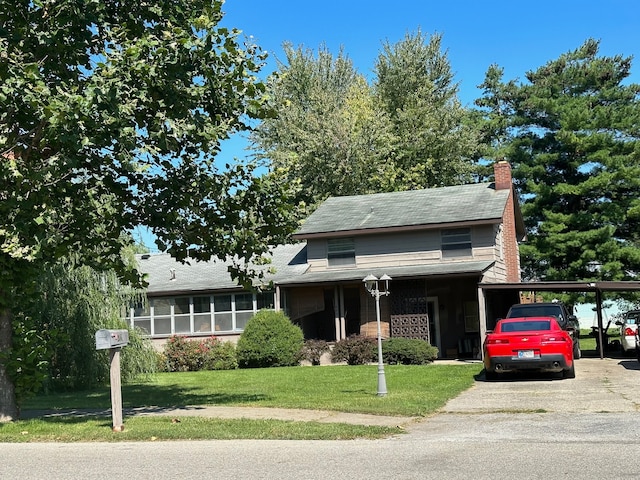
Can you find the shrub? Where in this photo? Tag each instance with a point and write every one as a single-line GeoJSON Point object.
{"type": "Point", "coordinates": [408, 351]}
{"type": "Point", "coordinates": [313, 349]}
{"type": "Point", "coordinates": [219, 355]}
{"type": "Point", "coordinates": [355, 350]}
{"type": "Point", "coordinates": [269, 340]}
{"type": "Point", "coordinates": [184, 355]}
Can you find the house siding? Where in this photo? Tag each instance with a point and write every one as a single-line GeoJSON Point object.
{"type": "Point", "coordinates": [406, 249]}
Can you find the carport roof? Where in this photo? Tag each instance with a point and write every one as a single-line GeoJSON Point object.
{"type": "Point", "coordinates": [602, 286]}
{"type": "Point", "coordinates": [597, 287]}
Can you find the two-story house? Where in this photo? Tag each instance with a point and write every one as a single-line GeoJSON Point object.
{"type": "Point", "coordinates": [436, 244]}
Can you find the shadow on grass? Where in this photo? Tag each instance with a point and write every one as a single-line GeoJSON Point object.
{"type": "Point", "coordinates": [171, 396]}
{"type": "Point", "coordinates": [139, 398]}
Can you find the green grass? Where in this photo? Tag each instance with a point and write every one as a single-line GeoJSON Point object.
{"type": "Point", "coordinates": [150, 429]}
{"type": "Point", "coordinates": [588, 341]}
{"type": "Point", "coordinates": [412, 391]}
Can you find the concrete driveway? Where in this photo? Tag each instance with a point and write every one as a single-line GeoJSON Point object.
{"type": "Point", "coordinates": [601, 386]}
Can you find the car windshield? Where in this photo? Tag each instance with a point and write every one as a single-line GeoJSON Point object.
{"type": "Point", "coordinates": [526, 326]}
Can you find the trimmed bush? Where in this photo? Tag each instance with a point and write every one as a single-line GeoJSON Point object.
{"type": "Point", "coordinates": [355, 350]}
{"type": "Point", "coordinates": [408, 351]}
{"type": "Point", "coordinates": [313, 349]}
{"type": "Point", "coordinates": [269, 340]}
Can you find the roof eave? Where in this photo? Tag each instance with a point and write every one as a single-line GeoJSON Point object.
{"type": "Point", "coordinates": [395, 229]}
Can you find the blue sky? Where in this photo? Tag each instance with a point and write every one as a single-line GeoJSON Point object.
{"type": "Point", "coordinates": [518, 36]}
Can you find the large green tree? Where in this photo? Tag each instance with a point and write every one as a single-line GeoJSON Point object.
{"type": "Point", "coordinates": [328, 135]}
{"type": "Point", "coordinates": [111, 114]}
{"type": "Point", "coordinates": [433, 143]}
{"type": "Point", "coordinates": [572, 134]}
{"type": "Point", "coordinates": [336, 134]}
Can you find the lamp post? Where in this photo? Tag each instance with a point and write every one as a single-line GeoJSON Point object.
{"type": "Point", "coordinates": [373, 287]}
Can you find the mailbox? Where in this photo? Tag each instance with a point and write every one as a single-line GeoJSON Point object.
{"type": "Point", "coordinates": [106, 339]}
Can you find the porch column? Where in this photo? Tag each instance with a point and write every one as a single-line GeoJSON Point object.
{"type": "Point", "coordinates": [482, 318]}
{"type": "Point", "coordinates": [276, 300]}
{"type": "Point", "coordinates": [336, 312]}
{"type": "Point", "coordinates": [343, 322]}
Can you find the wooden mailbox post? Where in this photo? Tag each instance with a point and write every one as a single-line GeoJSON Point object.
{"type": "Point", "coordinates": [114, 340]}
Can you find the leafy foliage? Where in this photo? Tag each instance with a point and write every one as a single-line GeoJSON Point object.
{"type": "Point", "coordinates": [571, 134]}
{"type": "Point", "coordinates": [433, 144]}
{"type": "Point", "coordinates": [408, 351]}
{"type": "Point", "coordinates": [405, 131]}
{"type": "Point", "coordinates": [69, 305]}
{"type": "Point", "coordinates": [355, 350]}
{"type": "Point", "coordinates": [183, 355]}
{"type": "Point", "coordinates": [269, 340]}
{"type": "Point", "coordinates": [111, 115]}
{"type": "Point", "coordinates": [29, 359]}
{"type": "Point", "coordinates": [313, 349]}
{"type": "Point", "coordinates": [326, 126]}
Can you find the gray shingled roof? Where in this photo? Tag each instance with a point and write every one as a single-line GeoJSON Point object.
{"type": "Point", "coordinates": [288, 261]}
{"type": "Point", "coordinates": [479, 201]}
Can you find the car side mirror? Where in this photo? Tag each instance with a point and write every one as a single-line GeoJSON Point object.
{"type": "Point", "coordinates": [618, 322]}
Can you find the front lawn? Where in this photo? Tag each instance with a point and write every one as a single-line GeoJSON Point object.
{"type": "Point", "coordinates": [412, 391]}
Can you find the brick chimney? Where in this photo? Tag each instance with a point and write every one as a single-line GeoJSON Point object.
{"type": "Point", "coordinates": [503, 181]}
{"type": "Point", "coordinates": [502, 172]}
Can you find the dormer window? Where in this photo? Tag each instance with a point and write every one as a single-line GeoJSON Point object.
{"type": "Point", "coordinates": [341, 252]}
{"type": "Point", "coordinates": [456, 242]}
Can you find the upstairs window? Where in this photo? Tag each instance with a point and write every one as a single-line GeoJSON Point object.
{"type": "Point", "coordinates": [456, 242]}
{"type": "Point", "coordinates": [341, 251]}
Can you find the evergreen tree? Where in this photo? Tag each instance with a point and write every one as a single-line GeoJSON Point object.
{"type": "Point", "coordinates": [572, 135]}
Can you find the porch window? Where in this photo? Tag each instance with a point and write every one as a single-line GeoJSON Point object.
{"type": "Point", "coordinates": [341, 251]}
{"type": "Point", "coordinates": [205, 314]}
{"type": "Point", "coordinates": [456, 242]}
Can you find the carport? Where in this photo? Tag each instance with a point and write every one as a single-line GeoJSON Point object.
{"type": "Point", "coordinates": [492, 297]}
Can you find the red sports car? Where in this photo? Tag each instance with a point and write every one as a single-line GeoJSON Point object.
{"type": "Point", "coordinates": [528, 343]}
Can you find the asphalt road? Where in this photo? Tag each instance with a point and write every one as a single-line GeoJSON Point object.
{"type": "Point", "coordinates": [520, 428]}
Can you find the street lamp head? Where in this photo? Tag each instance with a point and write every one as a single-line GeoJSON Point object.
{"type": "Point", "coordinates": [386, 278]}
{"type": "Point", "coordinates": [370, 282]}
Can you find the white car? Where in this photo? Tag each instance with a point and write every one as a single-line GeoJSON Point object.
{"type": "Point", "coordinates": [628, 329]}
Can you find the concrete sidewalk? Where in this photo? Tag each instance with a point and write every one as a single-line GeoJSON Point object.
{"type": "Point", "coordinates": [254, 413]}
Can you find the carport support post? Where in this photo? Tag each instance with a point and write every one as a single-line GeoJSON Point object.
{"type": "Point", "coordinates": [482, 317]}
{"type": "Point", "coordinates": [116, 389]}
{"type": "Point", "coordinates": [599, 314]}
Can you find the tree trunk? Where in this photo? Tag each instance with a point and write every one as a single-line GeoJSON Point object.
{"type": "Point", "coordinates": [8, 404]}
